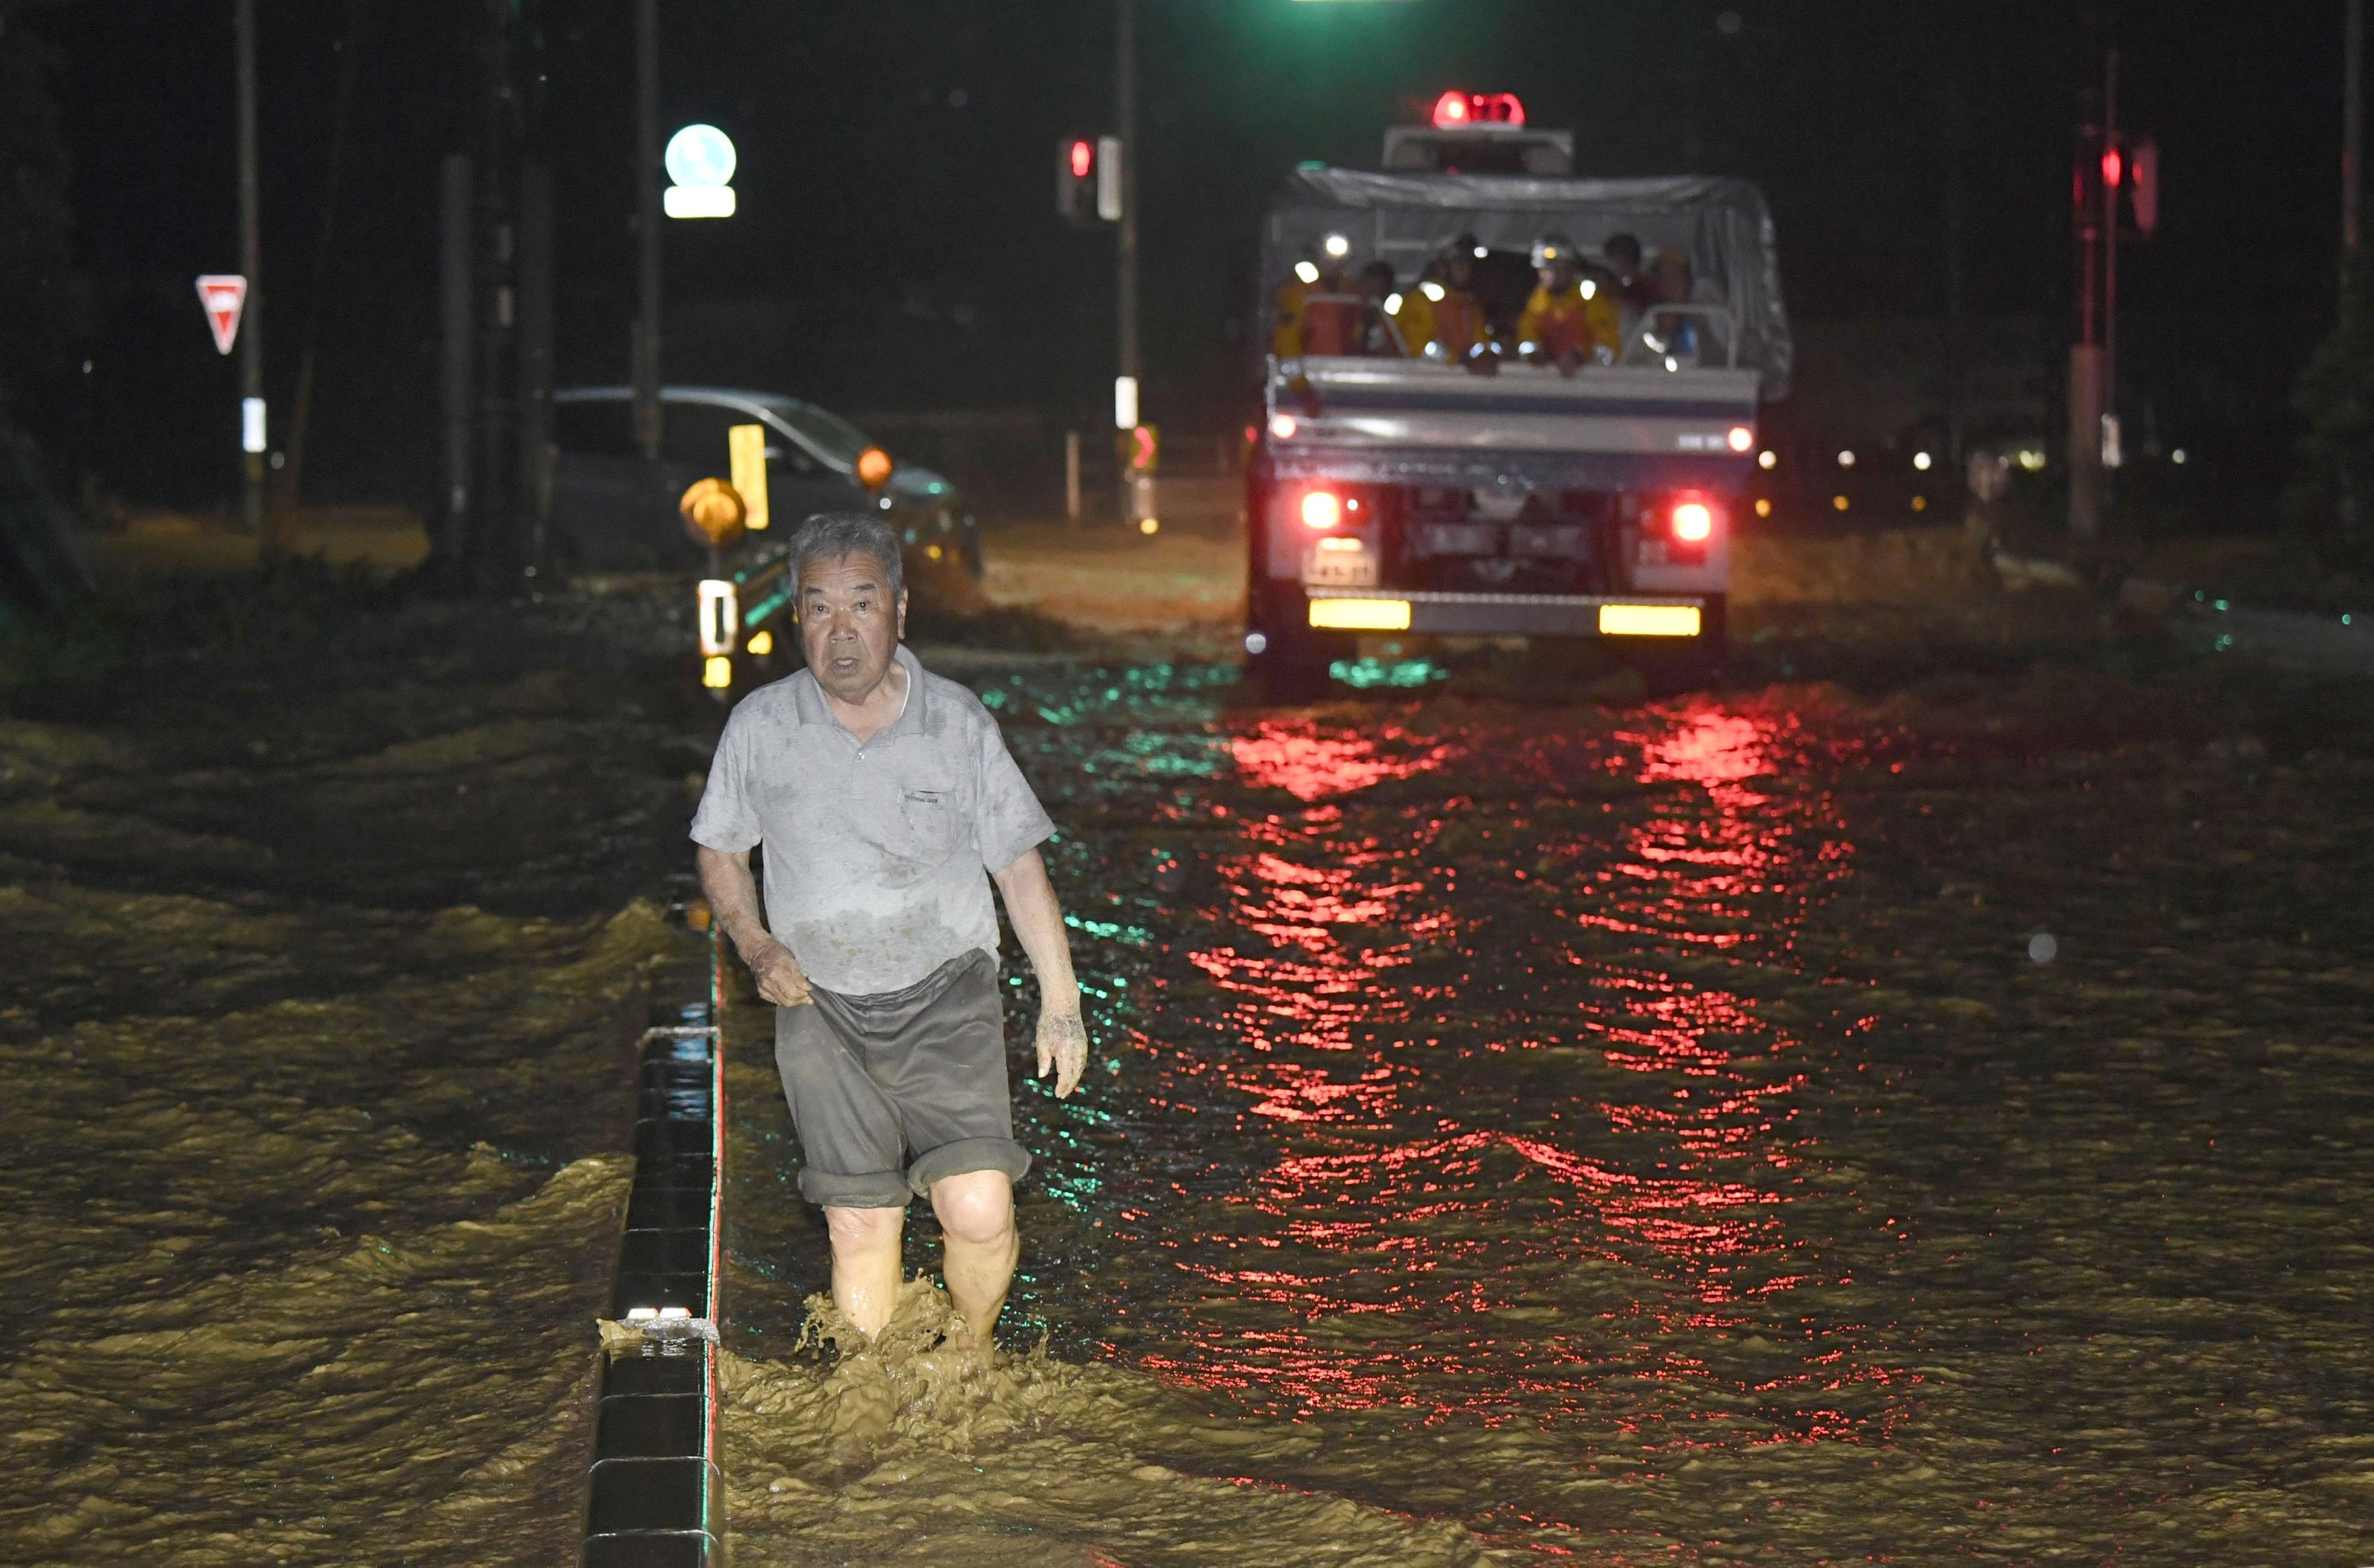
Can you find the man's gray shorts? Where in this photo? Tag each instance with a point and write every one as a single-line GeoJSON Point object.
{"type": "Point", "coordinates": [872, 1077]}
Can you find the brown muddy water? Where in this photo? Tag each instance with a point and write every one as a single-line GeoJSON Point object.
{"type": "Point", "coordinates": [1641, 1133]}
{"type": "Point", "coordinates": [1524, 1127]}
{"type": "Point", "coordinates": [320, 960]}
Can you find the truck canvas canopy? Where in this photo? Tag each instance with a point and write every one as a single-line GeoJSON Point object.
{"type": "Point", "coordinates": [1407, 219]}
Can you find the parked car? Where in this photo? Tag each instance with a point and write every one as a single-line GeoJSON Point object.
{"type": "Point", "coordinates": [613, 510]}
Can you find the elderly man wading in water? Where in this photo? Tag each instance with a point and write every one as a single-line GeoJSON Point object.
{"type": "Point", "coordinates": [888, 803]}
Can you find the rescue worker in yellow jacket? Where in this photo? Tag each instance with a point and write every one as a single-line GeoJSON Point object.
{"type": "Point", "coordinates": [1570, 321]}
{"type": "Point", "coordinates": [1318, 311]}
{"type": "Point", "coordinates": [1440, 318]}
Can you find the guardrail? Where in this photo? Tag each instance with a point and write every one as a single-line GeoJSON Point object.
{"type": "Point", "coordinates": [655, 1491]}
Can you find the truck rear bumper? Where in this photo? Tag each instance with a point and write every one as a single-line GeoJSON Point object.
{"type": "Point", "coordinates": [1515, 615]}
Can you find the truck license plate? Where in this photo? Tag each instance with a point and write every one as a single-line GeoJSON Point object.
{"type": "Point", "coordinates": [1339, 568]}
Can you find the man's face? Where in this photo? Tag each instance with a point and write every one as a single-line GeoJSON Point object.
{"type": "Point", "coordinates": [849, 623]}
{"type": "Point", "coordinates": [1558, 276]}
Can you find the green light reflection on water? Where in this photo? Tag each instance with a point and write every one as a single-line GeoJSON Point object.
{"type": "Point", "coordinates": [1361, 674]}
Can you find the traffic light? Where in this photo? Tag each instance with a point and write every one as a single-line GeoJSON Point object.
{"type": "Point", "coordinates": [1087, 180]}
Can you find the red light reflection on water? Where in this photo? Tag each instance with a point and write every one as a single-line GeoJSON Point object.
{"type": "Point", "coordinates": [1417, 1196]}
{"type": "Point", "coordinates": [1309, 766]}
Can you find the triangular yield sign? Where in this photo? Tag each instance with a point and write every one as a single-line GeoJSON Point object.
{"type": "Point", "coordinates": [223, 294]}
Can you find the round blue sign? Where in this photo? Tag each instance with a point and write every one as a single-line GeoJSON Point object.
{"type": "Point", "coordinates": [700, 156]}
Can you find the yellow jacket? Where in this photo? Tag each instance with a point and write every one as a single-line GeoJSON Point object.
{"type": "Point", "coordinates": [1456, 321]}
{"type": "Point", "coordinates": [1581, 319]}
{"type": "Point", "coordinates": [1285, 333]}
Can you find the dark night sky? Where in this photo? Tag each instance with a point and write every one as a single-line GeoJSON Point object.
{"type": "Point", "coordinates": [896, 183]}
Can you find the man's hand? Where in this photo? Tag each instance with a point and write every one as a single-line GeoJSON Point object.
{"type": "Point", "coordinates": [777, 973]}
{"type": "Point", "coordinates": [1064, 1046]}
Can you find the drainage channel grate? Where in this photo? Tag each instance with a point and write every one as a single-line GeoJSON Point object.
{"type": "Point", "coordinates": [656, 1498]}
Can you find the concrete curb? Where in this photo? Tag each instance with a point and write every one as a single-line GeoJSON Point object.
{"type": "Point", "coordinates": [655, 1495]}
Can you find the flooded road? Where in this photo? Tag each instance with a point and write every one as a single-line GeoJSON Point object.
{"type": "Point", "coordinates": [1638, 1133]}
{"type": "Point", "coordinates": [1531, 1120]}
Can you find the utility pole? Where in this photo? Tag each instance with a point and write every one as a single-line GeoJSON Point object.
{"type": "Point", "coordinates": [1125, 113]}
{"type": "Point", "coordinates": [251, 262]}
{"type": "Point", "coordinates": [646, 334]}
{"type": "Point", "coordinates": [2085, 424]}
{"type": "Point", "coordinates": [2353, 119]}
{"type": "Point", "coordinates": [1956, 137]}
{"type": "Point", "coordinates": [493, 542]}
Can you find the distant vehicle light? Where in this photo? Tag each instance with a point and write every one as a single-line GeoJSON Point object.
{"type": "Point", "coordinates": [1920, 503]}
{"type": "Point", "coordinates": [1840, 502]}
{"type": "Point", "coordinates": [1321, 509]}
{"type": "Point", "coordinates": [1306, 272]}
{"type": "Point", "coordinates": [1741, 438]}
{"type": "Point", "coordinates": [1336, 246]}
{"type": "Point", "coordinates": [1282, 425]}
{"type": "Point", "coordinates": [1763, 507]}
{"type": "Point", "coordinates": [1482, 251]}
{"type": "Point", "coordinates": [1768, 458]}
{"type": "Point", "coordinates": [2177, 456]}
{"type": "Point", "coordinates": [1149, 525]}
{"type": "Point", "coordinates": [1846, 460]}
{"type": "Point", "coordinates": [1432, 290]}
{"type": "Point", "coordinates": [1256, 643]}
{"type": "Point", "coordinates": [2112, 165]}
{"type": "Point", "coordinates": [873, 468]}
{"type": "Point", "coordinates": [2032, 459]}
{"type": "Point", "coordinates": [1084, 158]}
{"type": "Point", "coordinates": [1921, 462]}
{"type": "Point", "coordinates": [1693, 522]}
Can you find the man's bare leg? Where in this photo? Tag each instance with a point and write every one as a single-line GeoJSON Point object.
{"type": "Point", "coordinates": [865, 1274]}
{"type": "Point", "coordinates": [976, 1212]}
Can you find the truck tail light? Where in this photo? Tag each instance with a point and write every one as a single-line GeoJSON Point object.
{"type": "Point", "coordinates": [1693, 521]}
{"type": "Point", "coordinates": [1321, 509]}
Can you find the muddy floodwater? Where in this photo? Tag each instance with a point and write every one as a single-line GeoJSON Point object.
{"type": "Point", "coordinates": [1772, 1125]}
{"type": "Point", "coordinates": [1897, 1106]}
{"type": "Point", "coordinates": [321, 959]}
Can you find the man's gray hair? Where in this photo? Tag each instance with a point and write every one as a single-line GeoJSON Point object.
{"type": "Point", "coordinates": [828, 536]}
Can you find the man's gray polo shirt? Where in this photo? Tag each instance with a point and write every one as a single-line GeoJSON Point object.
{"type": "Point", "coordinates": [876, 854]}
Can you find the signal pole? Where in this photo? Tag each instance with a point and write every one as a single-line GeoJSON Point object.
{"type": "Point", "coordinates": [1125, 113]}
{"type": "Point", "coordinates": [2113, 155]}
{"type": "Point", "coordinates": [251, 262]}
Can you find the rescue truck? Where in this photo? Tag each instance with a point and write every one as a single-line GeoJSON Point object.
{"type": "Point", "coordinates": [1489, 496]}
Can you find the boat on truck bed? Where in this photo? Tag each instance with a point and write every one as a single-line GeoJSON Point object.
{"type": "Point", "coordinates": [1403, 494]}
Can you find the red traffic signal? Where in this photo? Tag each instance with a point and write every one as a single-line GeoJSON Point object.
{"type": "Point", "coordinates": [1076, 180]}
{"type": "Point", "coordinates": [1088, 180]}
